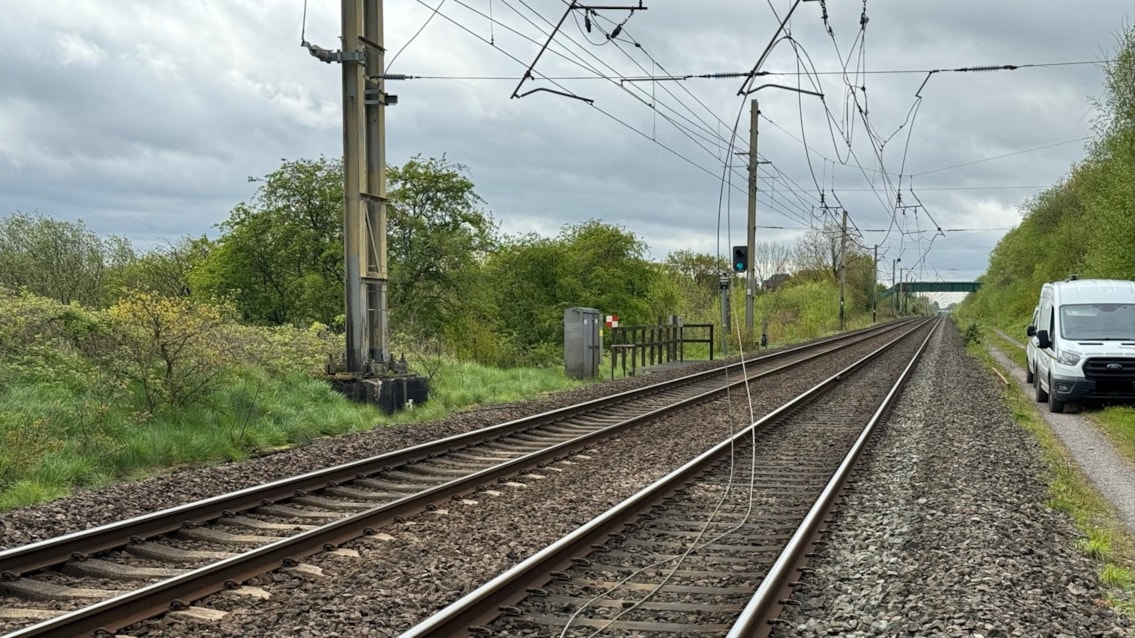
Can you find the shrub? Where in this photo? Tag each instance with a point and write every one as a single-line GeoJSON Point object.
{"type": "Point", "coordinates": [972, 334]}
{"type": "Point", "coordinates": [172, 347]}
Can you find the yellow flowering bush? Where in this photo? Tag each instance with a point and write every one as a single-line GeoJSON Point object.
{"type": "Point", "coordinates": [174, 348]}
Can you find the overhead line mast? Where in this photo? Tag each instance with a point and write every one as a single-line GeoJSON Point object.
{"type": "Point", "coordinates": [364, 186]}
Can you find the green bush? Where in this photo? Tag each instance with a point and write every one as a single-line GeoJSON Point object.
{"type": "Point", "coordinates": [972, 334]}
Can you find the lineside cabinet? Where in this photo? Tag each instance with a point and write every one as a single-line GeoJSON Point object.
{"type": "Point", "coordinates": [581, 342]}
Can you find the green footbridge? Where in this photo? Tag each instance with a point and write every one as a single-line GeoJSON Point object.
{"type": "Point", "coordinates": [910, 287]}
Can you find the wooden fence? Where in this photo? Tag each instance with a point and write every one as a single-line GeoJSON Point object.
{"type": "Point", "coordinates": [652, 345]}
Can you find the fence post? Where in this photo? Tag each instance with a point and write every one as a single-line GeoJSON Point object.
{"type": "Point", "coordinates": [682, 343]}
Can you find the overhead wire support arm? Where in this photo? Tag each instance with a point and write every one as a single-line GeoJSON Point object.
{"type": "Point", "coordinates": [751, 75]}
{"type": "Point", "coordinates": [571, 6]}
{"type": "Point", "coordinates": [563, 93]}
{"type": "Point", "coordinates": [786, 88]}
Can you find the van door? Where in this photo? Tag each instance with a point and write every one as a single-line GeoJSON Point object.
{"type": "Point", "coordinates": [1030, 347]}
{"type": "Point", "coordinates": [1044, 356]}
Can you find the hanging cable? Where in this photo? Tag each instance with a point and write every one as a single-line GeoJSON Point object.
{"type": "Point", "coordinates": [416, 33]}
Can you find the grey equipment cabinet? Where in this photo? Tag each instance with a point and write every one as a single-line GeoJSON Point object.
{"type": "Point", "coordinates": [581, 342]}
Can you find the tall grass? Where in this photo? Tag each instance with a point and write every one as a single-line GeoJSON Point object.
{"type": "Point", "coordinates": [56, 438]}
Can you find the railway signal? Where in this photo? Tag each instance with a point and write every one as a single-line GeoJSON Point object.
{"type": "Point", "coordinates": [740, 258]}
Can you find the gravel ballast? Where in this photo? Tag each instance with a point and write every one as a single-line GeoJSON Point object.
{"type": "Point", "coordinates": [946, 531]}
{"type": "Point", "coordinates": [408, 571]}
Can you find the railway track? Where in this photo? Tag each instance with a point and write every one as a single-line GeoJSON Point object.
{"type": "Point", "coordinates": [715, 547]}
{"type": "Point", "coordinates": [109, 577]}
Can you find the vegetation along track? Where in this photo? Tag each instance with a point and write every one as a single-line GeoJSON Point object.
{"type": "Point", "coordinates": [111, 576]}
{"type": "Point", "coordinates": [713, 548]}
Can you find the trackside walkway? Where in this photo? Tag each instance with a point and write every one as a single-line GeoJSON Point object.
{"type": "Point", "coordinates": [1111, 474]}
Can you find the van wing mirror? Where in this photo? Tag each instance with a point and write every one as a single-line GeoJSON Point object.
{"type": "Point", "coordinates": [1042, 339]}
{"type": "Point", "coordinates": [1031, 331]}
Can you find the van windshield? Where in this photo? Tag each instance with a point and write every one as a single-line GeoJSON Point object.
{"type": "Point", "coordinates": [1098, 322]}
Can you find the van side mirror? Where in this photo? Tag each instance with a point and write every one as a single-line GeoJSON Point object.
{"type": "Point", "coordinates": [1031, 331]}
{"type": "Point", "coordinates": [1042, 339]}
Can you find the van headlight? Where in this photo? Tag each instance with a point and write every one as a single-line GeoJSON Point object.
{"type": "Point", "coordinates": [1068, 358]}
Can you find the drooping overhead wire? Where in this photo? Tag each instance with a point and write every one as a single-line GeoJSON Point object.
{"type": "Point", "coordinates": [681, 108]}
{"type": "Point", "coordinates": [425, 24]}
{"type": "Point", "coordinates": [1003, 156]}
{"type": "Point", "coordinates": [680, 77]}
{"type": "Point", "coordinates": [707, 135]}
{"type": "Point", "coordinates": [773, 206]}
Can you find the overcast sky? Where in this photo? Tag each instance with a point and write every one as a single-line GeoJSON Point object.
{"type": "Point", "coordinates": [145, 118]}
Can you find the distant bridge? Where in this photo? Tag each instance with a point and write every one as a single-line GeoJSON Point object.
{"type": "Point", "coordinates": [933, 286]}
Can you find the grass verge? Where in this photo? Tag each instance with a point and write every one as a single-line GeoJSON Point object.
{"type": "Point", "coordinates": [54, 439]}
{"type": "Point", "coordinates": [1105, 538]}
{"type": "Point", "coordinates": [1012, 350]}
{"type": "Point", "coordinates": [1117, 422]}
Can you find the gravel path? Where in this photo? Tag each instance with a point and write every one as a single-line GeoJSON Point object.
{"type": "Point", "coordinates": [946, 532]}
{"type": "Point", "coordinates": [1004, 335]}
{"type": "Point", "coordinates": [1110, 473]}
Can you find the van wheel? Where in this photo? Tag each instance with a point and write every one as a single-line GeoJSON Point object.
{"type": "Point", "coordinates": [1053, 404]}
{"type": "Point", "coordinates": [1029, 376]}
{"type": "Point", "coordinates": [1041, 395]}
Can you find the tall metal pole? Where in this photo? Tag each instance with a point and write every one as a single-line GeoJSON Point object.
{"type": "Point", "coordinates": [375, 277]}
{"type": "Point", "coordinates": [902, 296]}
{"type": "Point", "coordinates": [842, 268]}
{"type": "Point", "coordinates": [875, 286]}
{"type": "Point", "coordinates": [354, 74]}
{"type": "Point", "coordinates": [364, 177]}
{"type": "Point", "coordinates": [724, 285]}
{"type": "Point", "coordinates": [894, 289]}
{"type": "Point", "coordinates": [751, 237]}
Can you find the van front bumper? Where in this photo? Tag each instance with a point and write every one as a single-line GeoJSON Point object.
{"type": "Point", "coordinates": [1079, 389]}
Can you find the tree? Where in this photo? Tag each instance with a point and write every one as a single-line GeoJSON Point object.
{"type": "Point", "coordinates": [1080, 225]}
{"type": "Point", "coordinates": [818, 250]}
{"type": "Point", "coordinates": [169, 346]}
{"type": "Point", "coordinates": [605, 267]}
{"type": "Point", "coordinates": [166, 270]}
{"type": "Point", "coordinates": [694, 278]}
{"type": "Point", "coordinates": [703, 270]}
{"type": "Point", "coordinates": [860, 281]}
{"type": "Point", "coordinates": [772, 258]}
{"type": "Point", "coordinates": [592, 264]}
{"type": "Point", "coordinates": [280, 256]}
{"type": "Point", "coordinates": [437, 235]}
{"type": "Point", "coordinates": [526, 294]}
{"type": "Point", "coordinates": [59, 260]}
{"type": "Point", "coordinates": [1109, 192]}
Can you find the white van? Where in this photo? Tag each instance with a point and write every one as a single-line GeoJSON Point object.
{"type": "Point", "coordinates": [1082, 342]}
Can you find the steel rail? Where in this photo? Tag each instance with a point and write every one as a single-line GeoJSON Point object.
{"type": "Point", "coordinates": [483, 604]}
{"type": "Point", "coordinates": [46, 553]}
{"type": "Point", "coordinates": [756, 619]}
{"type": "Point", "coordinates": [126, 609]}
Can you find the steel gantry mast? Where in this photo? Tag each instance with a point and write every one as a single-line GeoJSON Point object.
{"type": "Point", "coordinates": [364, 185]}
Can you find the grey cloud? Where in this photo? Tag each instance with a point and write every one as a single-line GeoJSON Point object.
{"type": "Point", "coordinates": [154, 131]}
